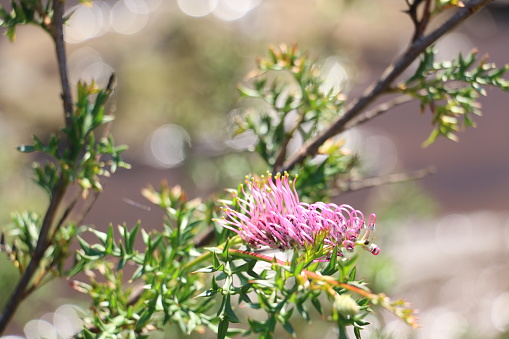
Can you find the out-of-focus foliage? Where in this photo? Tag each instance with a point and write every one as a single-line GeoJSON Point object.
{"type": "Point", "coordinates": [450, 90]}
{"type": "Point", "coordinates": [78, 156]}
{"type": "Point", "coordinates": [296, 104]}
{"type": "Point", "coordinates": [163, 269]}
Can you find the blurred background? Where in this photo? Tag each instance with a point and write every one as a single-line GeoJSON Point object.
{"type": "Point", "coordinates": [178, 64]}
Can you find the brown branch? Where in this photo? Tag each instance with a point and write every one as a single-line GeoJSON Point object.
{"type": "Point", "coordinates": [426, 16]}
{"type": "Point", "coordinates": [284, 145]}
{"type": "Point", "coordinates": [40, 249]}
{"type": "Point", "coordinates": [380, 109]}
{"type": "Point", "coordinates": [207, 237]}
{"type": "Point", "coordinates": [421, 24]}
{"type": "Point", "coordinates": [57, 34]}
{"type": "Point", "coordinates": [62, 184]}
{"type": "Point", "coordinates": [310, 148]}
{"type": "Point", "coordinates": [355, 185]}
{"type": "Point", "coordinates": [412, 12]}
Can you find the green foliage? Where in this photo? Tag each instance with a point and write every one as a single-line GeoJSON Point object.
{"type": "Point", "coordinates": [295, 106]}
{"type": "Point", "coordinates": [174, 286]}
{"type": "Point", "coordinates": [25, 12]}
{"type": "Point", "coordinates": [290, 84]}
{"type": "Point", "coordinates": [35, 12]}
{"type": "Point", "coordinates": [78, 156]}
{"type": "Point", "coordinates": [21, 241]}
{"type": "Point", "coordinates": [450, 90]}
{"type": "Point", "coordinates": [162, 273]}
{"type": "Point", "coordinates": [283, 289]}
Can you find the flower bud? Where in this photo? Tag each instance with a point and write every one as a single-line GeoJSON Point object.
{"type": "Point", "coordinates": [345, 305]}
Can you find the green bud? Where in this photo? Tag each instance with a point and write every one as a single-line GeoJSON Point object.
{"type": "Point", "coordinates": [345, 305]}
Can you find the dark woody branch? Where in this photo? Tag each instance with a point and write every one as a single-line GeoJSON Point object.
{"type": "Point", "coordinates": [310, 148]}
{"type": "Point", "coordinates": [355, 185]}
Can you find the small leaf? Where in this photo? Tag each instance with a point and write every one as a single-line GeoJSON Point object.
{"type": "Point", "coordinates": [222, 329]}
{"type": "Point", "coordinates": [76, 269]}
{"type": "Point", "coordinates": [26, 148]}
{"type": "Point", "coordinates": [230, 315]}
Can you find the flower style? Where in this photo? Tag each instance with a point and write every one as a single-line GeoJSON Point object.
{"type": "Point", "coordinates": [271, 214]}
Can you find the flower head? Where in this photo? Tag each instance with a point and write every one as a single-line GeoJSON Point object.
{"type": "Point", "coordinates": [271, 214]}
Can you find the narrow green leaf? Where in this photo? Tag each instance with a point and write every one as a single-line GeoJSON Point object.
{"type": "Point", "coordinates": [87, 334]}
{"type": "Point", "coordinates": [132, 237]}
{"type": "Point", "coordinates": [317, 304]}
{"type": "Point", "coordinates": [357, 332]}
{"type": "Point", "coordinates": [230, 315]}
{"type": "Point", "coordinates": [215, 261]}
{"type": "Point", "coordinates": [222, 329]}
{"type": "Point", "coordinates": [26, 148]}
{"type": "Point", "coordinates": [207, 293]}
{"type": "Point", "coordinates": [76, 269]}
{"type": "Point", "coordinates": [123, 257]}
{"type": "Point", "coordinates": [289, 328]}
{"type": "Point", "coordinates": [138, 273]}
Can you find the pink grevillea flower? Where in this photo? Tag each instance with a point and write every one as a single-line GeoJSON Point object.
{"type": "Point", "coordinates": [271, 214]}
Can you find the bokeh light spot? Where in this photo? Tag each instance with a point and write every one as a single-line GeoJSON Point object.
{"type": "Point", "coordinates": [38, 329]}
{"type": "Point", "coordinates": [205, 176]}
{"type": "Point", "coordinates": [138, 6]}
{"type": "Point", "coordinates": [335, 76]}
{"type": "Point", "coordinates": [67, 320]}
{"type": "Point", "coordinates": [87, 22]}
{"type": "Point", "coordinates": [125, 21]}
{"type": "Point", "coordinates": [197, 8]}
{"type": "Point", "coordinates": [500, 312]}
{"type": "Point", "coordinates": [80, 60]}
{"type": "Point", "coordinates": [453, 234]}
{"type": "Point", "coordinates": [229, 10]}
{"type": "Point", "coordinates": [243, 140]}
{"type": "Point", "coordinates": [167, 146]}
{"type": "Point", "coordinates": [448, 324]}
{"type": "Point", "coordinates": [99, 72]}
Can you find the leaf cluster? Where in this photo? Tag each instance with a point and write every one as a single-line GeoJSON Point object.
{"type": "Point", "coordinates": [166, 289]}
{"type": "Point", "coordinates": [172, 282]}
{"type": "Point", "coordinates": [35, 12]}
{"type": "Point", "coordinates": [282, 289]}
{"type": "Point", "coordinates": [450, 90]}
{"type": "Point", "coordinates": [25, 12]}
{"type": "Point", "coordinates": [292, 104]}
{"type": "Point", "coordinates": [20, 240]}
{"type": "Point", "coordinates": [77, 155]}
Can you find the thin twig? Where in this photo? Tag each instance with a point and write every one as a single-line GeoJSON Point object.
{"type": "Point", "coordinates": [310, 148]}
{"type": "Point", "coordinates": [412, 12]}
{"type": "Point", "coordinates": [64, 217]}
{"type": "Point", "coordinates": [380, 109]}
{"type": "Point", "coordinates": [89, 203]}
{"type": "Point", "coordinates": [421, 24]}
{"type": "Point", "coordinates": [355, 185]}
{"type": "Point", "coordinates": [426, 16]}
{"type": "Point", "coordinates": [205, 238]}
{"type": "Point", "coordinates": [284, 145]}
{"type": "Point", "coordinates": [58, 38]}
